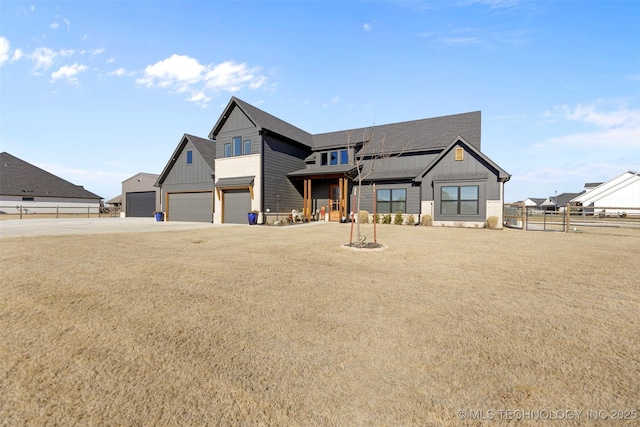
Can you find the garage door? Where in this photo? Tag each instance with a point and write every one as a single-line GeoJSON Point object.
{"type": "Point", "coordinates": [193, 207]}
{"type": "Point", "coordinates": [141, 204]}
{"type": "Point", "coordinates": [237, 204]}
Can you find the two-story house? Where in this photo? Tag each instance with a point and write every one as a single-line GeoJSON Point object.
{"type": "Point", "coordinates": [261, 163]}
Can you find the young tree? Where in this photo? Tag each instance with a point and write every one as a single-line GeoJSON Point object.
{"type": "Point", "coordinates": [367, 158]}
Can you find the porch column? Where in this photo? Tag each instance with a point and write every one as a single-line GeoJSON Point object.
{"type": "Point", "coordinates": [308, 205]}
{"type": "Point", "coordinates": [343, 197]}
{"type": "Point", "coordinates": [304, 200]}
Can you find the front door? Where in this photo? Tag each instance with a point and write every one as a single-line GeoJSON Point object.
{"type": "Point", "coordinates": [334, 203]}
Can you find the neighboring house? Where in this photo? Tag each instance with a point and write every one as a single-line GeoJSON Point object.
{"type": "Point", "coordinates": [27, 188]}
{"type": "Point", "coordinates": [186, 183]}
{"type": "Point", "coordinates": [264, 164]}
{"type": "Point", "coordinates": [115, 204]}
{"type": "Point", "coordinates": [614, 196]}
{"type": "Point", "coordinates": [533, 202]}
{"type": "Point", "coordinates": [558, 202]}
{"type": "Point", "coordinates": [140, 197]}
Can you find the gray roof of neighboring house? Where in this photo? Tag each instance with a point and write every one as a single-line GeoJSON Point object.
{"type": "Point", "coordinates": [265, 122]}
{"type": "Point", "coordinates": [206, 148]}
{"type": "Point", "coordinates": [537, 200]}
{"type": "Point", "coordinates": [416, 135]}
{"type": "Point", "coordinates": [19, 178]}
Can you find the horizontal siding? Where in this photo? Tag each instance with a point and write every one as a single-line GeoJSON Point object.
{"type": "Point", "coordinates": [281, 158]}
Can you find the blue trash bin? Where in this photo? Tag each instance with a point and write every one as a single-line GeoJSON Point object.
{"type": "Point", "coordinates": [253, 218]}
{"type": "Point", "coordinates": [159, 216]}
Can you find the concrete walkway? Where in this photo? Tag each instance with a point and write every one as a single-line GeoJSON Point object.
{"type": "Point", "coordinates": [66, 226]}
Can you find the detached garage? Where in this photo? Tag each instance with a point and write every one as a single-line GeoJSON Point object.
{"type": "Point", "coordinates": [193, 207]}
{"type": "Point", "coordinates": [140, 198]}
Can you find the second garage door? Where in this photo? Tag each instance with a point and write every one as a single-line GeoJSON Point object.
{"type": "Point", "coordinates": [193, 207]}
{"type": "Point", "coordinates": [237, 204]}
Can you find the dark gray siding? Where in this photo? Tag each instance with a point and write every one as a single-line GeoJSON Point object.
{"type": "Point", "coordinates": [473, 170]}
{"type": "Point", "coordinates": [281, 158]}
{"type": "Point", "coordinates": [238, 124]}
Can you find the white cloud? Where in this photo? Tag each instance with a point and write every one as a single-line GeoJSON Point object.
{"type": "Point", "coordinates": [367, 27]}
{"type": "Point", "coordinates": [4, 50]}
{"type": "Point", "coordinates": [619, 127]}
{"type": "Point", "coordinates": [42, 57]}
{"type": "Point", "coordinates": [54, 25]}
{"type": "Point", "coordinates": [17, 55]}
{"type": "Point", "coordinates": [69, 73]}
{"type": "Point", "coordinates": [334, 100]}
{"type": "Point", "coordinates": [66, 21]}
{"type": "Point", "coordinates": [121, 72]}
{"type": "Point", "coordinates": [181, 73]}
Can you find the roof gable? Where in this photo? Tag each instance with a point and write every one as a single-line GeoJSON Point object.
{"type": "Point", "coordinates": [19, 178]}
{"type": "Point", "coordinates": [606, 188]}
{"type": "Point", "coordinates": [501, 173]}
{"type": "Point", "coordinates": [264, 122]}
{"type": "Point", "coordinates": [205, 147]}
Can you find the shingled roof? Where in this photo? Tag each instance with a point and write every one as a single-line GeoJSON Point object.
{"type": "Point", "coordinates": [416, 135]}
{"type": "Point", "coordinates": [265, 122]}
{"type": "Point", "coordinates": [19, 178]}
{"type": "Point", "coordinates": [409, 136]}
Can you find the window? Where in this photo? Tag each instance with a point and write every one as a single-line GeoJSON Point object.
{"type": "Point", "coordinates": [227, 150]}
{"type": "Point", "coordinates": [189, 157]}
{"type": "Point", "coordinates": [391, 201]}
{"type": "Point", "coordinates": [323, 159]}
{"type": "Point", "coordinates": [333, 158]}
{"type": "Point", "coordinates": [459, 200]}
{"type": "Point", "coordinates": [247, 146]}
{"type": "Point", "coordinates": [237, 146]}
{"type": "Point", "coordinates": [344, 157]}
{"type": "Point", "coordinates": [459, 154]}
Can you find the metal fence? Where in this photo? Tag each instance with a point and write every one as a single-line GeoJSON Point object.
{"type": "Point", "coordinates": [41, 211]}
{"type": "Point", "coordinates": [571, 218]}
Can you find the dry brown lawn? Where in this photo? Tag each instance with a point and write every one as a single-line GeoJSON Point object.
{"type": "Point", "coordinates": [281, 326]}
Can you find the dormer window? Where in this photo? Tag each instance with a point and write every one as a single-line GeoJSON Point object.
{"type": "Point", "coordinates": [344, 157]}
{"type": "Point", "coordinates": [333, 158]}
{"type": "Point", "coordinates": [323, 159]}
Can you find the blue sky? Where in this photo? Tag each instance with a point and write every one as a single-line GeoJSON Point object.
{"type": "Point", "coordinates": [96, 92]}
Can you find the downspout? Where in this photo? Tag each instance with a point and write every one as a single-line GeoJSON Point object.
{"type": "Point", "coordinates": [262, 177]}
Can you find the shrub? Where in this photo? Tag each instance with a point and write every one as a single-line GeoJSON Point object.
{"type": "Point", "coordinates": [426, 220]}
{"type": "Point", "coordinates": [386, 219]}
{"type": "Point", "coordinates": [491, 223]}
{"type": "Point", "coordinates": [398, 220]}
{"type": "Point", "coordinates": [376, 218]}
{"type": "Point", "coordinates": [411, 220]}
{"type": "Point", "coordinates": [363, 217]}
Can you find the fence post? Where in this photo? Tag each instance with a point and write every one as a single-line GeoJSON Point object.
{"type": "Point", "coordinates": [57, 212]}
{"type": "Point", "coordinates": [567, 213]}
{"type": "Point", "coordinates": [20, 211]}
{"type": "Point", "coordinates": [88, 212]}
{"type": "Point", "coordinates": [524, 216]}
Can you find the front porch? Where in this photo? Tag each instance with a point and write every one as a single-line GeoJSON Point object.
{"type": "Point", "coordinates": [325, 197]}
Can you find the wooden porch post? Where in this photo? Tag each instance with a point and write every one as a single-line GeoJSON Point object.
{"type": "Point", "coordinates": [308, 200]}
{"type": "Point", "coordinates": [343, 197]}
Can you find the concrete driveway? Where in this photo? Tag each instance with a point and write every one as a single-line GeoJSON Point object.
{"type": "Point", "coordinates": [62, 226]}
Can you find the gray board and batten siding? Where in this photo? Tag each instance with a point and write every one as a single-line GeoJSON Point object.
{"type": "Point", "coordinates": [188, 186]}
{"type": "Point", "coordinates": [237, 124]}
